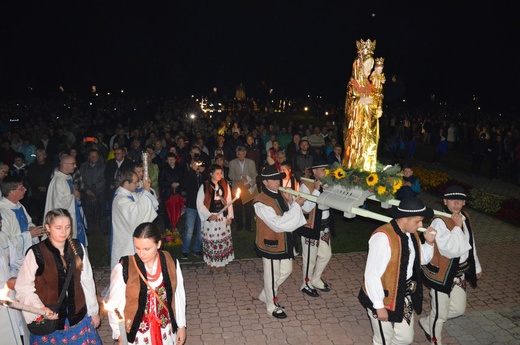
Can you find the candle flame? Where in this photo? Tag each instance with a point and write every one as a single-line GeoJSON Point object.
{"type": "Point", "coordinates": [238, 193]}
{"type": "Point", "coordinates": [4, 293]}
{"type": "Point", "coordinates": [109, 305]}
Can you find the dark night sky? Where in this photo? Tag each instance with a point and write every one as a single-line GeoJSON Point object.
{"type": "Point", "coordinates": [451, 48]}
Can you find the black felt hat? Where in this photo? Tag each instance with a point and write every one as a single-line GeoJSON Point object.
{"type": "Point", "coordinates": [455, 193]}
{"type": "Point", "coordinates": [271, 173]}
{"type": "Point", "coordinates": [411, 207]}
{"type": "Point", "coordinates": [319, 163]}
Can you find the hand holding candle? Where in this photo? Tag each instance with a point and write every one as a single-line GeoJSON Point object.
{"type": "Point", "coordinates": [9, 303]}
{"type": "Point", "coordinates": [109, 306]}
{"type": "Point", "coordinates": [231, 203]}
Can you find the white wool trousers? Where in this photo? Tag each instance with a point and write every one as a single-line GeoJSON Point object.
{"type": "Point", "coordinates": [276, 273]}
{"type": "Point", "coordinates": [395, 333]}
{"type": "Point", "coordinates": [444, 307]}
{"type": "Point", "coordinates": [315, 257]}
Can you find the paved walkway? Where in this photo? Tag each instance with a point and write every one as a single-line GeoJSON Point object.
{"type": "Point", "coordinates": [223, 307]}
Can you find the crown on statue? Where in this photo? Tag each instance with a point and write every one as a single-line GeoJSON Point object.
{"type": "Point", "coordinates": [380, 61]}
{"type": "Point", "coordinates": [366, 48]}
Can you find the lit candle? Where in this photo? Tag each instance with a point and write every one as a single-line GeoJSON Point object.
{"type": "Point", "coordinates": [231, 203]}
{"type": "Point", "coordinates": [23, 307]}
{"type": "Point", "coordinates": [120, 321]}
{"type": "Point", "coordinates": [9, 303]}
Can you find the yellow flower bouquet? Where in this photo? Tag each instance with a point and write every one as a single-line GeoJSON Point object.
{"type": "Point", "coordinates": [172, 238]}
{"type": "Point", "coordinates": [384, 182]}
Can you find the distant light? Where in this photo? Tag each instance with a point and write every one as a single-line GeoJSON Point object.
{"type": "Point", "coordinates": [115, 108]}
{"type": "Point", "coordinates": [404, 100]}
{"type": "Point", "coordinates": [499, 114]}
{"type": "Point", "coordinates": [192, 96]}
{"type": "Point", "coordinates": [373, 14]}
{"type": "Point", "coordinates": [326, 113]}
{"type": "Point", "coordinates": [108, 93]}
{"type": "Point", "coordinates": [97, 94]}
{"type": "Point", "coordinates": [478, 108]}
{"type": "Point", "coordinates": [89, 103]}
{"type": "Point", "coordinates": [122, 91]}
{"type": "Point", "coordinates": [192, 116]}
{"type": "Point", "coordinates": [309, 96]}
{"type": "Point", "coordinates": [306, 108]}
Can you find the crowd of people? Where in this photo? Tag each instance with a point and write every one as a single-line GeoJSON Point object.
{"type": "Point", "coordinates": [62, 181]}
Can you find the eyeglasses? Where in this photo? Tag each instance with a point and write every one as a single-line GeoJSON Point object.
{"type": "Point", "coordinates": [71, 163]}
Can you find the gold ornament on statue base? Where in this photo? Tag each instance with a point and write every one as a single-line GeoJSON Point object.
{"type": "Point", "coordinates": [363, 108]}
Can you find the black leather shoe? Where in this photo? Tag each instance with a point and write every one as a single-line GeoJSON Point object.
{"type": "Point", "coordinates": [279, 313]}
{"type": "Point", "coordinates": [310, 292]}
{"type": "Point", "coordinates": [325, 288]}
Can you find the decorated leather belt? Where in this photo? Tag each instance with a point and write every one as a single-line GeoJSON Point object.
{"type": "Point", "coordinates": [463, 268]}
{"type": "Point", "coordinates": [325, 223]}
{"type": "Point", "coordinates": [411, 285]}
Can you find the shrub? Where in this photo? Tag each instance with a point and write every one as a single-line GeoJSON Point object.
{"type": "Point", "coordinates": [485, 202]}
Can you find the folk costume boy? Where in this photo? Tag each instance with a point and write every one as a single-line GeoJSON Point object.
{"type": "Point", "coordinates": [315, 236]}
{"type": "Point", "coordinates": [392, 288]}
{"type": "Point", "coordinates": [454, 263]}
{"type": "Point", "coordinates": [277, 216]}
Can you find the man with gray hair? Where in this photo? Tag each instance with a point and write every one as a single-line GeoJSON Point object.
{"type": "Point", "coordinates": [17, 224]}
{"type": "Point", "coordinates": [243, 173]}
{"type": "Point", "coordinates": [62, 194]}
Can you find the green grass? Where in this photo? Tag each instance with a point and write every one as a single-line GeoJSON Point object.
{"type": "Point", "coordinates": [351, 236]}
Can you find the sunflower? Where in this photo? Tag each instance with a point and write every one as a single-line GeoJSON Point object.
{"type": "Point", "coordinates": [396, 185]}
{"type": "Point", "coordinates": [339, 173]}
{"type": "Point", "coordinates": [327, 172]}
{"type": "Point", "coordinates": [381, 189]}
{"type": "Point", "coordinates": [372, 179]}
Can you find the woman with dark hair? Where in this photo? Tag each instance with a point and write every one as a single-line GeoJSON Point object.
{"type": "Point", "coordinates": [42, 278]}
{"type": "Point", "coordinates": [213, 196]}
{"type": "Point", "coordinates": [147, 288]}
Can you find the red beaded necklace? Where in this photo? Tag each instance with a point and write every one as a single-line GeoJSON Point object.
{"type": "Point", "coordinates": [154, 277]}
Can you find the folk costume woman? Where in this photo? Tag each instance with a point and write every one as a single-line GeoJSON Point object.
{"type": "Point", "coordinates": [217, 243]}
{"type": "Point", "coordinates": [147, 289]}
{"type": "Point", "coordinates": [41, 281]}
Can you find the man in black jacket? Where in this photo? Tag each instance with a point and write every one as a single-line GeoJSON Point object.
{"type": "Point", "coordinates": [190, 185]}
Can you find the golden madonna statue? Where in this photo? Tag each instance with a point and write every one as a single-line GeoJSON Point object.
{"type": "Point", "coordinates": [363, 109]}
